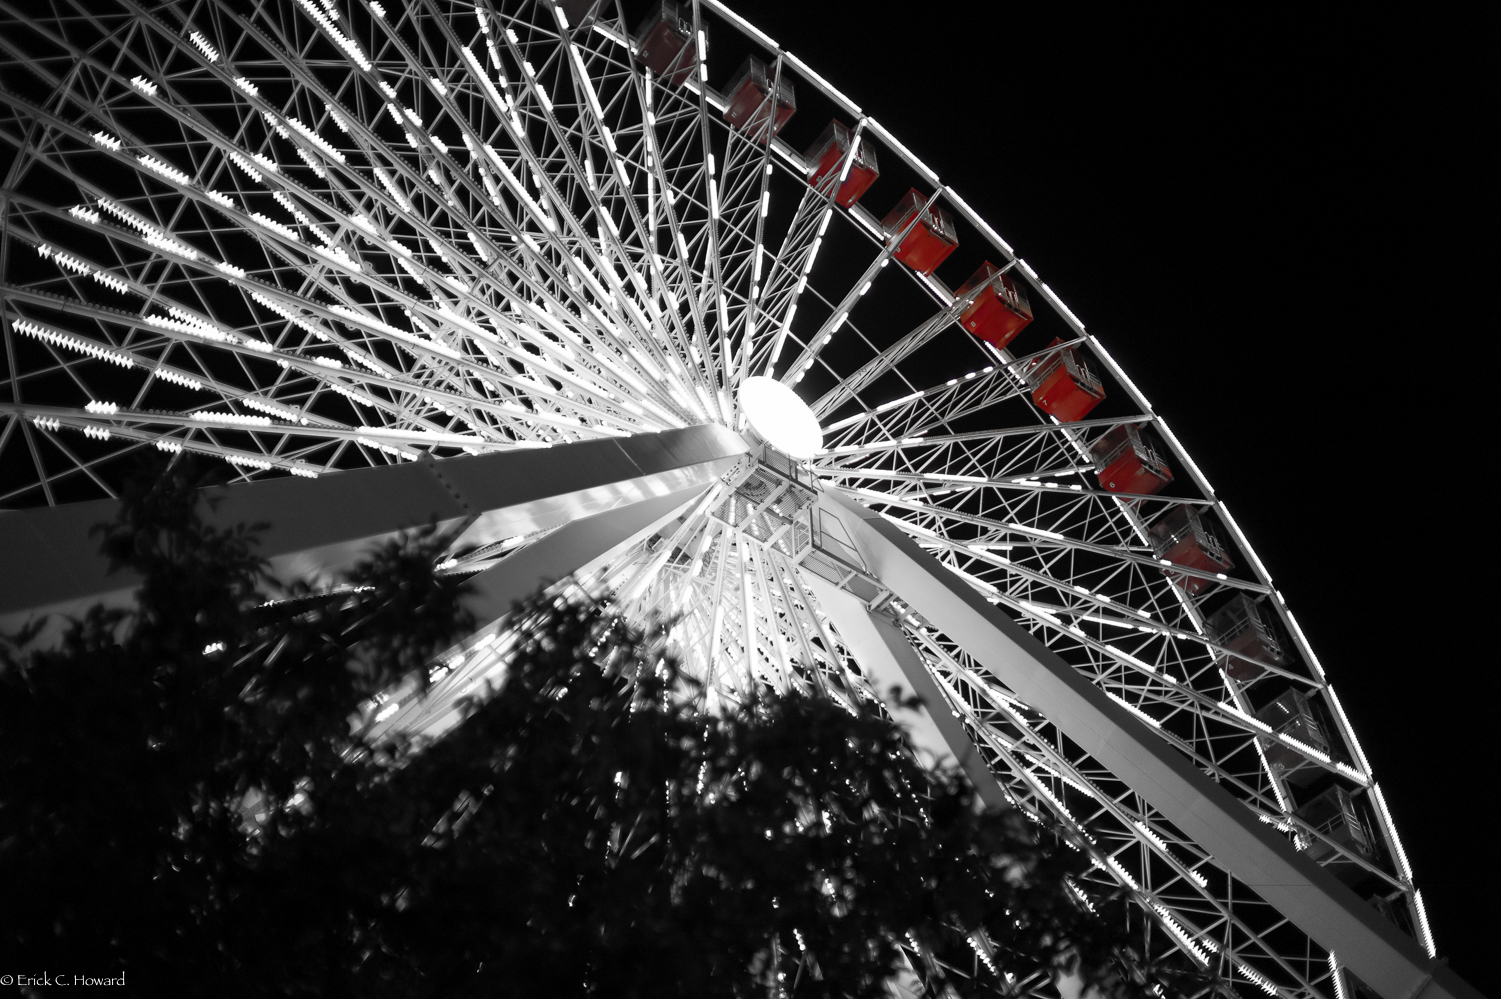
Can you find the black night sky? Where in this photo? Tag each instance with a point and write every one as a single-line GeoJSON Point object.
{"type": "Point", "coordinates": [1270, 219]}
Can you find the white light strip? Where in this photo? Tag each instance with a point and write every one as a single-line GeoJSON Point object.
{"type": "Point", "coordinates": [1134, 710]}
{"type": "Point", "coordinates": [822, 84]}
{"type": "Point", "coordinates": [1425, 933]}
{"type": "Point", "coordinates": [1256, 978]}
{"type": "Point", "coordinates": [1360, 757]}
{"type": "Point", "coordinates": [1132, 660]}
{"type": "Point", "coordinates": [742, 24]}
{"type": "Point", "coordinates": [74, 264]}
{"type": "Point", "coordinates": [1122, 873]}
{"type": "Point", "coordinates": [72, 343]}
{"type": "Point", "coordinates": [1352, 773]}
{"type": "Point", "coordinates": [979, 223]}
{"type": "Point", "coordinates": [1306, 749]}
{"type": "Point", "coordinates": [231, 419]}
{"type": "Point", "coordinates": [1251, 720]}
{"type": "Point", "coordinates": [1338, 979]}
{"type": "Point", "coordinates": [1182, 934]}
{"type": "Point", "coordinates": [1391, 828]}
{"type": "Point", "coordinates": [901, 150]}
{"type": "Point", "coordinates": [1183, 453]}
{"type": "Point", "coordinates": [156, 166]}
{"type": "Point", "coordinates": [1147, 831]}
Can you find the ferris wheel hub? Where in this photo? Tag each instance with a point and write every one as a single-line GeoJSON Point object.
{"type": "Point", "coordinates": [781, 418]}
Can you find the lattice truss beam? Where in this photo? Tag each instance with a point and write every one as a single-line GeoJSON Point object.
{"type": "Point", "coordinates": [305, 237]}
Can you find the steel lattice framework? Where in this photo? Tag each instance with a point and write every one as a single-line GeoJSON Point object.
{"type": "Point", "coordinates": [309, 237]}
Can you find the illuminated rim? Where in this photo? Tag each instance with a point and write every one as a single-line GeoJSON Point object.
{"type": "Point", "coordinates": [321, 236]}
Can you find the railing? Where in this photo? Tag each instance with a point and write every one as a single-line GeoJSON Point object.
{"type": "Point", "coordinates": [830, 537]}
{"type": "Point", "coordinates": [1242, 615]}
{"type": "Point", "coordinates": [1311, 731]}
{"type": "Point", "coordinates": [1207, 542]}
{"type": "Point", "coordinates": [1078, 371]}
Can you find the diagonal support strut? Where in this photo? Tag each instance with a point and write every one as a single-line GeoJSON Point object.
{"type": "Point", "coordinates": [1310, 897]}
{"type": "Point", "coordinates": [320, 525]}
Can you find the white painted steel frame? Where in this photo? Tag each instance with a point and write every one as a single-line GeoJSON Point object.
{"type": "Point", "coordinates": [1109, 732]}
{"type": "Point", "coordinates": [315, 528]}
{"type": "Point", "coordinates": [320, 237]}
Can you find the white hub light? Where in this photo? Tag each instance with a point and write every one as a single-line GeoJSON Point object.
{"type": "Point", "coordinates": [782, 419]}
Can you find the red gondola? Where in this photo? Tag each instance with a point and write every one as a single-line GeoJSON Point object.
{"type": "Point", "coordinates": [1181, 538]}
{"type": "Point", "coordinates": [664, 43]}
{"type": "Point", "coordinates": [1000, 311]}
{"type": "Point", "coordinates": [1063, 386]}
{"type": "Point", "coordinates": [825, 156]}
{"type": "Point", "coordinates": [930, 241]}
{"type": "Point", "coordinates": [1291, 715]}
{"type": "Point", "coordinates": [1334, 816]}
{"type": "Point", "coordinates": [1246, 627]}
{"type": "Point", "coordinates": [1125, 462]}
{"type": "Point", "coordinates": [749, 109]}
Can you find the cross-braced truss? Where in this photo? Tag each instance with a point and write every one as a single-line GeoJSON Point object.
{"type": "Point", "coordinates": [306, 236]}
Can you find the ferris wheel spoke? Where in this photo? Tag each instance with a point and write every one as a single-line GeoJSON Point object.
{"type": "Point", "coordinates": [887, 360]}
{"type": "Point", "coordinates": [52, 419]}
{"type": "Point", "coordinates": [1025, 457]}
{"type": "Point", "coordinates": [156, 236]}
{"type": "Point", "coordinates": [618, 184]}
{"type": "Point", "coordinates": [1052, 617]}
{"type": "Point", "coordinates": [1016, 534]}
{"type": "Point", "coordinates": [976, 694]}
{"type": "Point", "coordinates": [1032, 460]}
{"type": "Point", "coordinates": [743, 198]}
{"type": "Point", "coordinates": [817, 671]}
{"type": "Point", "coordinates": [737, 229]}
{"type": "Point", "coordinates": [1120, 825]}
{"type": "Point", "coordinates": [739, 616]}
{"type": "Point", "coordinates": [1133, 821]}
{"type": "Point", "coordinates": [919, 412]}
{"type": "Point", "coordinates": [1153, 687]}
{"type": "Point", "coordinates": [135, 356]}
{"type": "Point", "coordinates": [521, 239]}
{"type": "Point", "coordinates": [765, 617]}
{"type": "Point", "coordinates": [257, 350]}
{"type": "Point", "coordinates": [607, 222]}
{"type": "Point", "coordinates": [760, 205]}
{"type": "Point", "coordinates": [789, 270]}
{"type": "Point", "coordinates": [717, 607]}
{"type": "Point", "coordinates": [982, 436]}
{"type": "Point", "coordinates": [1021, 482]}
{"type": "Point", "coordinates": [800, 622]}
{"type": "Point", "coordinates": [1031, 762]}
{"type": "Point", "coordinates": [671, 129]}
{"type": "Point", "coordinates": [1032, 749]}
{"type": "Point", "coordinates": [714, 278]}
{"type": "Point", "coordinates": [651, 567]}
{"type": "Point", "coordinates": [840, 313]}
{"type": "Point", "coordinates": [109, 420]}
{"type": "Point", "coordinates": [193, 329]}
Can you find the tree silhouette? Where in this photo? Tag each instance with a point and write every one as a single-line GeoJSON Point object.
{"type": "Point", "coordinates": [184, 800]}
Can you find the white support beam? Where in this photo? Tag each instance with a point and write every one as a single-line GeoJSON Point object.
{"type": "Point", "coordinates": [1386, 959]}
{"type": "Point", "coordinates": [320, 525]}
{"type": "Point", "coordinates": [891, 665]}
{"type": "Point", "coordinates": [577, 548]}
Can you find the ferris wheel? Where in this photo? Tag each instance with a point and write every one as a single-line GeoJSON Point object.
{"type": "Point", "coordinates": [685, 325]}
